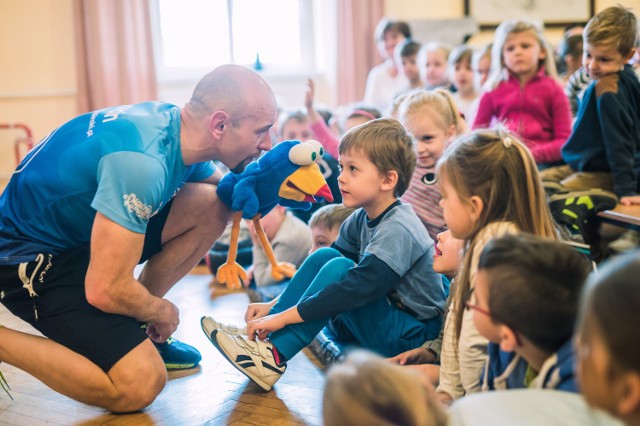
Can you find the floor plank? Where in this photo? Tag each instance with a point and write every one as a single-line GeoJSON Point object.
{"type": "Point", "coordinates": [213, 394]}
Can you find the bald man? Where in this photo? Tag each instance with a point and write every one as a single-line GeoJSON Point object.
{"type": "Point", "coordinates": [101, 194]}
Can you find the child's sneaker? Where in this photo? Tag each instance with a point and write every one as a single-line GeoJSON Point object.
{"type": "Point", "coordinates": [176, 354]}
{"type": "Point", "coordinates": [575, 208]}
{"type": "Point", "coordinates": [209, 324]}
{"type": "Point", "coordinates": [253, 358]}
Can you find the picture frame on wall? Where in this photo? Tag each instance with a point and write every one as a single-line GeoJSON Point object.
{"type": "Point", "coordinates": [553, 13]}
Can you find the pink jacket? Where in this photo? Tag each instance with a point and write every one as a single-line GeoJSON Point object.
{"type": "Point", "coordinates": [538, 112]}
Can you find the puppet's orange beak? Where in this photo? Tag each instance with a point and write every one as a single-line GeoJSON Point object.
{"type": "Point", "coordinates": [305, 184]}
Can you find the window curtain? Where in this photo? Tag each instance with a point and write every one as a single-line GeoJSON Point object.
{"type": "Point", "coordinates": [357, 52]}
{"type": "Point", "coordinates": [114, 53]}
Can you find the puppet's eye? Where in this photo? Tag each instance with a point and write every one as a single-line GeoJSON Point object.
{"type": "Point", "coordinates": [317, 148]}
{"type": "Point", "coordinates": [302, 154]}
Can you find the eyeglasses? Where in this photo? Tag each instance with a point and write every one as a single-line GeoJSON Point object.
{"type": "Point", "coordinates": [471, 307]}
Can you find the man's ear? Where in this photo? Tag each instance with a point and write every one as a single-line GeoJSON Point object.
{"type": "Point", "coordinates": [218, 122]}
{"type": "Point", "coordinates": [629, 402]}
{"type": "Point", "coordinates": [390, 180]}
{"type": "Point", "coordinates": [508, 338]}
{"type": "Point", "coordinates": [477, 206]}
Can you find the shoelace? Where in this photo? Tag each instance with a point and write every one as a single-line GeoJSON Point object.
{"type": "Point", "coordinates": [251, 346]}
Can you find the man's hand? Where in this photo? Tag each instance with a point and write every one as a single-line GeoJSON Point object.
{"type": "Point", "coordinates": [414, 356]}
{"type": "Point", "coordinates": [165, 324]}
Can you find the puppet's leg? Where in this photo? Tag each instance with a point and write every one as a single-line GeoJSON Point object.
{"type": "Point", "coordinates": [279, 270]}
{"type": "Point", "coordinates": [230, 272]}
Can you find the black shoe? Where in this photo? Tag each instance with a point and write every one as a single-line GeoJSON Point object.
{"type": "Point", "coordinates": [575, 208]}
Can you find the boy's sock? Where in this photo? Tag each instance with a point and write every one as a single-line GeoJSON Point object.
{"type": "Point", "coordinates": [280, 359]}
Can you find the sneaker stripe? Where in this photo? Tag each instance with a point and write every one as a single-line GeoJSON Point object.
{"type": "Point", "coordinates": [585, 199]}
{"type": "Point", "coordinates": [570, 213]}
{"type": "Point", "coordinates": [272, 368]}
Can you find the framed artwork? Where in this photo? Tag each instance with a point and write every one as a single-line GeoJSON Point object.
{"type": "Point", "coordinates": [553, 13]}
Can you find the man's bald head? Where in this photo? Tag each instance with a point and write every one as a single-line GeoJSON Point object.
{"type": "Point", "coordinates": [234, 89]}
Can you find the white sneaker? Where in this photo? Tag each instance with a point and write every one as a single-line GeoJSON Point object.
{"type": "Point", "coordinates": [254, 359]}
{"type": "Point", "coordinates": [209, 324]}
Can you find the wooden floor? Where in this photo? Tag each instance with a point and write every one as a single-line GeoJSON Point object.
{"type": "Point", "coordinates": [213, 394]}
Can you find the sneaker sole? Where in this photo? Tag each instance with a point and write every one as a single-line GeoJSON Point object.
{"type": "Point", "coordinates": [214, 342]}
{"type": "Point", "coordinates": [577, 194]}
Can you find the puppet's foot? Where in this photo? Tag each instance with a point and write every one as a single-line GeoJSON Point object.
{"type": "Point", "coordinates": [231, 274]}
{"type": "Point", "coordinates": [283, 270]}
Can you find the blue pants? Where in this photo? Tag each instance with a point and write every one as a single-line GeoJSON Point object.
{"type": "Point", "coordinates": [378, 326]}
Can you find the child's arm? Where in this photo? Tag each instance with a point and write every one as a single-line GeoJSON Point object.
{"type": "Point", "coordinates": [320, 130]}
{"type": "Point", "coordinates": [560, 113]}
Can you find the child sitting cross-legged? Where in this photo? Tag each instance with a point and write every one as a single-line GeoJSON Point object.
{"type": "Point", "coordinates": [527, 292]}
{"type": "Point", "coordinates": [377, 281]}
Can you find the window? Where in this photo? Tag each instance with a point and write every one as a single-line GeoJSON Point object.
{"type": "Point", "coordinates": [193, 36]}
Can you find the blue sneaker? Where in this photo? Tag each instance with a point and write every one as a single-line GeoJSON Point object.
{"type": "Point", "coordinates": [177, 355]}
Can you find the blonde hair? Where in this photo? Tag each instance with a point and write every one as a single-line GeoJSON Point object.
{"type": "Point", "coordinates": [495, 166]}
{"type": "Point", "coordinates": [330, 216]}
{"type": "Point", "coordinates": [499, 71]}
{"type": "Point", "coordinates": [368, 390]}
{"type": "Point", "coordinates": [440, 101]}
{"type": "Point", "coordinates": [387, 145]}
{"type": "Point", "coordinates": [615, 25]}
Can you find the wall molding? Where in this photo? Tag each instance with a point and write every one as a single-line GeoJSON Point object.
{"type": "Point", "coordinates": [38, 94]}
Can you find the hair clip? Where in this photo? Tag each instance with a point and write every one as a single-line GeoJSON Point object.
{"type": "Point", "coordinates": [507, 142]}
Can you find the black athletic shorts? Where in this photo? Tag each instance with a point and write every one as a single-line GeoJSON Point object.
{"type": "Point", "coordinates": [49, 294]}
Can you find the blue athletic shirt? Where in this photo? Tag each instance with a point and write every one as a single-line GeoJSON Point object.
{"type": "Point", "coordinates": [124, 162]}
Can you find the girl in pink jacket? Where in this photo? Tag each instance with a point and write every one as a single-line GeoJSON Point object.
{"type": "Point", "coordinates": [523, 94]}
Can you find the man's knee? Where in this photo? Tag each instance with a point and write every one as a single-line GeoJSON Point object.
{"type": "Point", "coordinates": [138, 378]}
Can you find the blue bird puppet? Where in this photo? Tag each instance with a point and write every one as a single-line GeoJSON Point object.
{"type": "Point", "coordinates": [287, 175]}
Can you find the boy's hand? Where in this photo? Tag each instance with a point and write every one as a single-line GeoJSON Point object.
{"type": "Point", "coordinates": [414, 356]}
{"type": "Point", "coordinates": [256, 310]}
{"type": "Point", "coordinates": [262, 327]}
{"type": "Point", "coordinates": [630, 200]}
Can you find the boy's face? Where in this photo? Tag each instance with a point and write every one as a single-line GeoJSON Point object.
{"type": "Point", "coordinates": [435, 70]}
{"type": "Point", "coordinates": [448, 254]}
{"type": "Point", "coordinates": [296, 130]}
{"type": "Point", "coordinates": [603, 59]}
{"type": "Point", "coordinates": [429, 134]}
{"type": "Point", "coordinates": [481, 315]}
{"type": "Point", "coordinates": [593, 365]}
{"type": "Point", "coordinates": [360, 180]}
{"type": "Point", "coordinates": [321, 236]}
{"type": "Point", "coordinates": [463, 77]}
{"type": "Point", "coordinates": [410, 69]}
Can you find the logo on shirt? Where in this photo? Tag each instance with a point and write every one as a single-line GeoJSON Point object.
{"type": "Point", "coordinates": [141, 210]}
